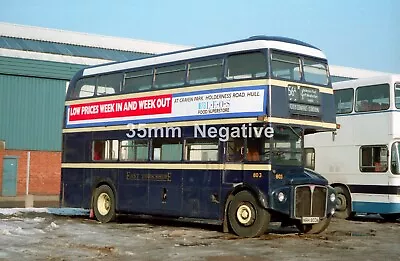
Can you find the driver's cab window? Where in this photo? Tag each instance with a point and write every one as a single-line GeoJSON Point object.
{"type": "Point", "coordinates": [235, 150]}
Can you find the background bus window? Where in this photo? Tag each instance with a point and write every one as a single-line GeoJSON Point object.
{"type": "Point", "coordinates": [105, 150]}
{"type": "Point", "coordinates": [201, 150]}
{"type": "Point", "coordinates": [134, 150]}
{"type": "Point", "coordinates": [138, 81]}
{"type": "Point", "coordinates": [285, 66]}
{"type": "Point", "coordinates": [373, 159]}
{"type": "Point", "coordinates": [165, 149]}
{"type": "Point", "coordinates": [205, 71]}
{"type": "Point", "coordinates": [315, 72]}
{"type": "Point", "coordinates": [397, 95]}
{"type": "Point", "coordinates": [395, 161]}
{"type": "Point", "coordinates": [235, 150]}
{"type": "Point", "coordinates": [109, 84]}
{"type": "Point", "coordinates": [372, 98]}
{"type": "Point", "coordinates": [309, 158]}
{"type": "Point", "coordinates": [246, 66]}
{"type": "Point", "coordinates": [84, 88]}
{"type": "Point", "coordinates": [344, 100]}
{"type": "Point", "coordinates": [170, 76]}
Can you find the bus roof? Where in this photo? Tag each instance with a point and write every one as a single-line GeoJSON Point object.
{"type": "Point", "coordinates": [389, 78]}
{"type": "Point", "coordinates": [251, 43]}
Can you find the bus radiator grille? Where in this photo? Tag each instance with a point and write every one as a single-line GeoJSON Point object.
{"type": "Point", "coordinates": [310, 201]}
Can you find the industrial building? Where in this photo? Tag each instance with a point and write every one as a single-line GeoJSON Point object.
{"type": "Point", "coordinates": [35, 67]}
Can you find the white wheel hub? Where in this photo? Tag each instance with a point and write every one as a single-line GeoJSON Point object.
{"type": "Point", "coordinates": [103, 204]}
{"type": "Point", "coordinates": [243, 214]}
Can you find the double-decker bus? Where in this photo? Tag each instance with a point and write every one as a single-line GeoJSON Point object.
{"type": "Point", "coordinates": [362, 158]}
{"type": "Point", "coordinates": [147, 136]}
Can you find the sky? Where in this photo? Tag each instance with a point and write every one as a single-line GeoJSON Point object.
{"type": "Point", "coordinates": [360, 34]}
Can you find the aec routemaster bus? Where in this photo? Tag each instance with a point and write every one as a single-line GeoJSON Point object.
{"type": "Point", "coordinates": [112, 165]}
{"type": "Point", "coordinates": [362, 158]}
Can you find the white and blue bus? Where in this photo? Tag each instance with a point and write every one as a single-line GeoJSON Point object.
{"type": "Point", "coordinates": [362, 158]}
{"type": "Point", "coordinates": [242, 182]}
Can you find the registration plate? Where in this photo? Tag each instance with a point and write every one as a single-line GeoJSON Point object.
{"type": "Point", "coordinates": [309, 220]}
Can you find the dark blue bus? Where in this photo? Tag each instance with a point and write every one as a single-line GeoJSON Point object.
{"type": "Point", "coordinates": [212, 134]}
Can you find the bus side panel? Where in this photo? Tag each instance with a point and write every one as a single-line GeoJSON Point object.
{"type": "Point", "coordinates": [73, 183]}
{"type": "Point", "coordinates": [202, 194]}
{"type": "Point", "coordinates": [165, 192]}
{"type": "Point", "coordinates": [133, 191]}
{"type": "Point", "coordinates": [280, 107]}
{"type": "Point", "coordinates": [328, 108]}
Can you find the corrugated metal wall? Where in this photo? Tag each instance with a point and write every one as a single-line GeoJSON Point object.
{"type": "Point", "coordinates": [31, 112]}
{"type": "Point", "coordinates": [46, 69]}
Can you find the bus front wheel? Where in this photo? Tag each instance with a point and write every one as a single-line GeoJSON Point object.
{"type": "Point", "coordinates": [343, 207]}
{"type": "Point", "coordinates": [246, 217]}
{"type": "Point", "coordinates": [314, 228]}
{"type": "Point", "coordinates": [104, 204]}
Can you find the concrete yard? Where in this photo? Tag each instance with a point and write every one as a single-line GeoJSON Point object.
{"type": "Point", "coordinates": [45, 236]}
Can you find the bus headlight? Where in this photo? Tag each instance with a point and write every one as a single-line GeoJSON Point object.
{"type": "Point", "coordinates": [281, 196]}
{"type": "Point", "coordinates": [332, 197]}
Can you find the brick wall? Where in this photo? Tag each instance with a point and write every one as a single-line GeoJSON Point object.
{"type": "Point", "coordinates": [45, 171]}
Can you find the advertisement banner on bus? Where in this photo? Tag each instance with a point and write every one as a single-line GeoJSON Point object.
{"type": "Point", "coordinates": [199, 105]}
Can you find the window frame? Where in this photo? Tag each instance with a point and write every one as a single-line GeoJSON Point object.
{"type": "Point", "coordinates": [313, 161]}
{"type": "Point", "coordinates": [116, 74]}
{"type": "Point", "coordinates": [104, 158]}
{"type": "Point", "coordinates": [74, 95]}
{"type": "Point", "coordinates": [136, 70]}
{"type": "Point", "coordinates": [226, 65]}
{"type": "Point", "coordinates": [208, 59]}
{"type": "Point", "coordinates": [135, 150]}
{"type": "Point", "coordinates": [394, 88]}
{"type": "Point", "coordinates": [352, 103]}
{"type": "Point", "coordinates": [360, 158]}
{"type": "Point", "coordinates": [303, 58]}
{"type": "Point", "coordinates": [163, 66]}
{"type": "Point", "coordinates": [152, 147]}
{"type": "Point", "coordinates": [281, 52]}
{"type": "Point", "coordinates": [369, 86]}
{"type": "Point", "coordinates": [197, 141]}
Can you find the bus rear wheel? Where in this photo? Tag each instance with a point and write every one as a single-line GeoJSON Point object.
{"type": "Point", "coordinates": [343, 207]}
{"type": "Point", "coordinates": [104, 204]}
{"type": "Point", "coordinates": [314, 228]}
{"type": "Point", "coordinates": [246, 217]}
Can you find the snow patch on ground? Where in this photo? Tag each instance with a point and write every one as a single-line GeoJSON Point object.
{"type": "Point", "coordinates": [53, 211]}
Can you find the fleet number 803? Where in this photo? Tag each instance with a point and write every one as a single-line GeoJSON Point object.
{"type": "Point", "coordinates": [257, 175]}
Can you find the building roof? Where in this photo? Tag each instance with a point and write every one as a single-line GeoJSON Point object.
{"type": "Point", "coordinates": [38, 43]}
{"type": "Point", "coordinates": [353, 73]}
{"type": "Point", "coordinates": [73, 47]}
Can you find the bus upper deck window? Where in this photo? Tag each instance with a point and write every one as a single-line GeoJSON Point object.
{"type": "Point", "coordinates": [84, 88]}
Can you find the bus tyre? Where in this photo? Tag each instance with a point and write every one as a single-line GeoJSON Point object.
{"type": "Point", "coordinates": [343, 207]}
{"type": "Point", "coordinates": [390, 217]}
{"type": "Point", "coordinates": [104, 204]}
{"type": "Point", "coordinates": [246, 217]}
{"type": "Point", "coordinates": [314, 228]}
